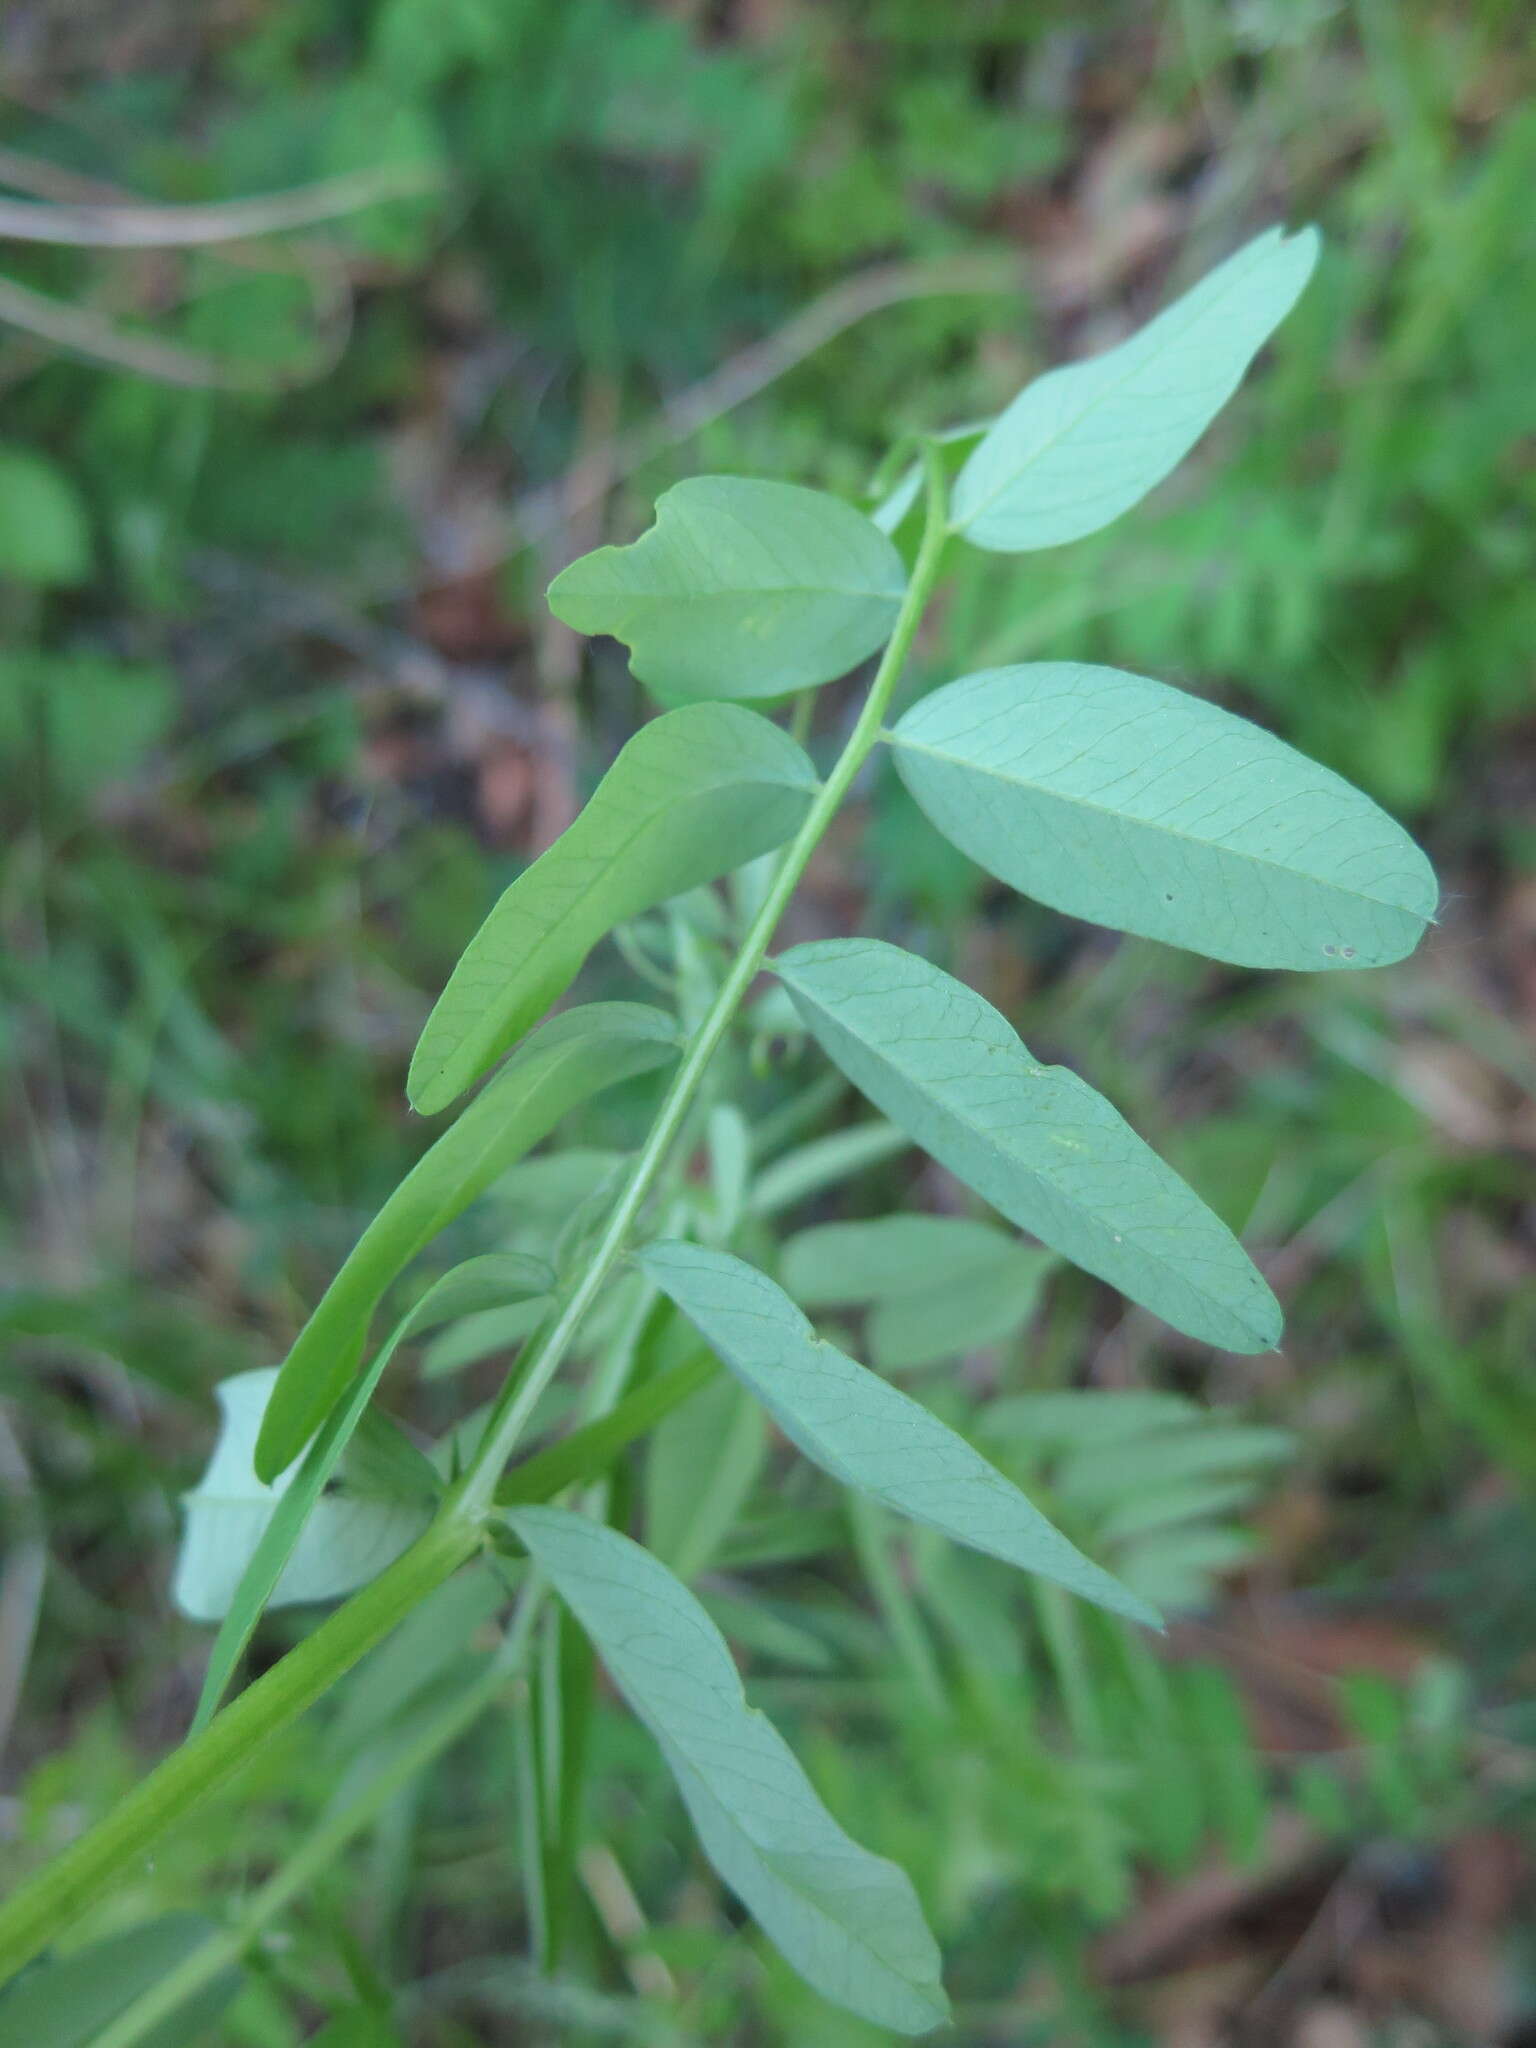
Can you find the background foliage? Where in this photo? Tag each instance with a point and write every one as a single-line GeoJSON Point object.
{"type": "Point", "coordinates": [282, 711]}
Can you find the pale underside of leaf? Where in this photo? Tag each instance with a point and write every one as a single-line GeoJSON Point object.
{"type": "Point", "coordinates": [1084, 443]}
{"type": "Point", "coordinates": [272, 1543]}
{"type": "Point", "coordinates": [1118, 799]}
{"type": "Point", "coordinates": [847, 1920]}
{"type": "Point", "coordinates": [571, 1057]}
{"type": "Point", "coordinates": [695, 793]}
{"type": "Point", "coordinates": [741, 589]}
{"type": "Point", "coordinates": [345, 1542]}
{"type": "Point", "coordinates": [865, 1433]}
{"type": "Point", "coordinates": [1045, 1149]}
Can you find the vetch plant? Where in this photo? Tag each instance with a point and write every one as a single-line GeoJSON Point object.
{"type": "Point", "coordinates": [1108, 796]}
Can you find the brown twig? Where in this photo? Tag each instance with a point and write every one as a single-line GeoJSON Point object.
{"type": "Point", "coordinates": [140, 224]}
{"type": "Point", "coordinates": [615, 1904]}
{"type": "Point", "coordinates": [91, 214]}
{"type": "Point", "coordinates": [88, 334]}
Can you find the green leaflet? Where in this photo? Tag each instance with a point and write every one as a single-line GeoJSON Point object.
{"type": "Point", "coordinates": [246, 1545]}
{"type": "Point", "coordinates": [740, 589]}
{"type": "Point", "coordinates": [937, 1285]}
{"type": "Point", "coordinates": [694, 794]}
{"type": "Point", "coordinates": [848, 1921]}
{"type": "Point", "coordinates": [1138, 806]}
{"type": "Point", "coordinates": [569, 1058]}
{"type": "Point", "coordinates": [1084, 443]}
{"type": "Point", "coordinates": [865, 1433]}
{"type": "Point", "coordinates": [1036, 1142]}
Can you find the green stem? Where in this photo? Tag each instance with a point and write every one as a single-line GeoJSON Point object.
{"type": "Point", "coordinates": [507, 1423]}
{"type": "Point", "coordinates": [76, 1879]}
{"type": "Point", "coordinates": [86, 1870]}
{"type": "Point", "coordinates": [334, 1831]}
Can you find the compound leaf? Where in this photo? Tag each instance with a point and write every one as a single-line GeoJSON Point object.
{"type": "Point", "coordinates": [740, 589]}
{"type": "Point", "coordinates": [694, 794]}
{"type": "Point", "coordinates": [867, 1434]}
{"type": "Point", "coordinates": [566, 1060]}
{"type": "Point", "coordinates": [1084, 443]}
{"type": "Point", "coordinates": [848, 1921]}
{"type": "Point", "coordinates": [1036, 1142]}
{"type": "Point", "coordinates": [1141, 807]}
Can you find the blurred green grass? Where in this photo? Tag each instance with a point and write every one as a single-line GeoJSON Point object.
{"type": "Point", "coordinates": [280, 712]}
